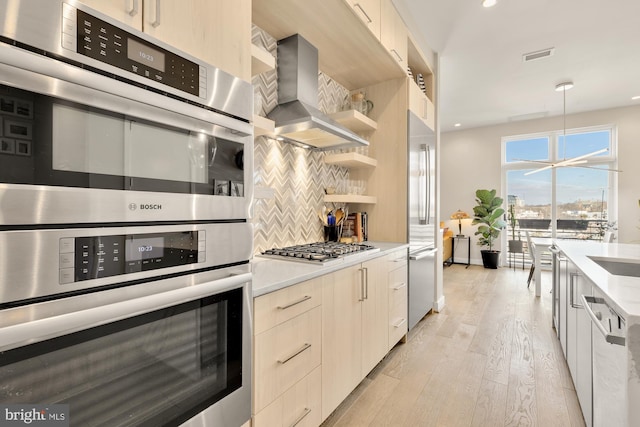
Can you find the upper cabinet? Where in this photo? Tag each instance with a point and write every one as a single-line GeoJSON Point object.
{"type": "Point", "coordinates": [369, 12]}
{"type": "Point", "coordinates": [422, 106]}
{"type": "Point", "coordinates": [393, 33]}
{"type": "Point", "coordinates": [348, 52]}
{"type": "Point", "coordinates": [129, 12]}
{"type": "Point", "coordinates": [421, 85]}
{"type": "Point", "coordinates": [215, 31]}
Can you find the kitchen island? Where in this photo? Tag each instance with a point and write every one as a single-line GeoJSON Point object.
{"type": "Point", "coordinates": [599, 327]}
{"type": "Point", "coordinates": [623, 291]}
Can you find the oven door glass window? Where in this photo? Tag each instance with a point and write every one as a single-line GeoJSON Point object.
{"type": "Point", "coordinates": [155, 369]}
{"type": "Point", "coordinates": [49, 141]}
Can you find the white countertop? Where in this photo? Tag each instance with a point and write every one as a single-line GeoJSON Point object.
{"type": "Point", "coordinates": [270, 274]}
{"type": "Point", "coordinates": [623, 291]}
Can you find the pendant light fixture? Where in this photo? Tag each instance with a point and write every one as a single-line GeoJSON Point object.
{"type": "Point", "coordinates": [575, 161]}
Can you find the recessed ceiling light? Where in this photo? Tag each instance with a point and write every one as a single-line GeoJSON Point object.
{"type": "Point", "coordinates": [564, 86]}
{"type": "Point", "coordinates": [458, 125]}
{"type": "Point", "coordinates": [489, 3]}
{"type": "Point", "coordinates": [634, 98]}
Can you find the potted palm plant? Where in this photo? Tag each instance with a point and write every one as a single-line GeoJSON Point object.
{"type": "Point", "coordinates": [488, 216]}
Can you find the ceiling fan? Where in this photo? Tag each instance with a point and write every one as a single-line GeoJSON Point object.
{"type": "Point", "coordinates": [575, 161]}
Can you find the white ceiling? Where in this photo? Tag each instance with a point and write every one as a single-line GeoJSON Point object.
{"type": "Point", "coordinates": [483, 79]}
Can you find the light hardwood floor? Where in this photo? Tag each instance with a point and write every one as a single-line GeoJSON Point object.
{"type": "Point", "coordinates": [490, 358]}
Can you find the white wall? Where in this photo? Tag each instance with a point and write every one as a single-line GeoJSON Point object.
{"type": "Point", "coordinates": [470, 159]}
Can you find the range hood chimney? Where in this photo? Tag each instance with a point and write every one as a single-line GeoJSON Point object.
{"type": "Point", "coordinates": [297, 117]}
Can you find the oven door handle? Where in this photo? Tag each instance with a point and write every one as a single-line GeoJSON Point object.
{"type": "Point", "coordinates": [26, 333]}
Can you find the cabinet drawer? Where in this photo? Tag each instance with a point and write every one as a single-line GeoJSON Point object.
{"type": "Point", "coordinates": [278, 307]}
{"type": "Point", "coordinates": [285, 354]}
{"type": "Point", "coordinates": [397, 259]}
{"type": "Point", "coordinates": [398, 289]}
{"type": "Point", "coordinates": [299, 405]}
{"type": "Point", "coordinates": [398, 305]}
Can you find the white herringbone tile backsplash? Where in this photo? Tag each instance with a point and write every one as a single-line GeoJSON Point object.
{"type": "Point", "coordinates": [297, 176]}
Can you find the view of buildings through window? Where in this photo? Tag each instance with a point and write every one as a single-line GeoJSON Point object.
{"type": "Point", "coordinates": [566, 202]}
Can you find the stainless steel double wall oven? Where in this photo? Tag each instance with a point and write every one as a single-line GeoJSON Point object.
{"type": "Point", "coordinates": [125, 187]}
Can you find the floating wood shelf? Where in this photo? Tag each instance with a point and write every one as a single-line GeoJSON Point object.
{"type": "Point", "coordinates": [350, 160]}
{"type": "Point", "coordinates": [262, 126]}
{"type": "Point", "coordinates": [350, 198]}
{"type": "Point", "coordinates": [261, 60]}
{"type": "Point", "coordinates": [354, 120]}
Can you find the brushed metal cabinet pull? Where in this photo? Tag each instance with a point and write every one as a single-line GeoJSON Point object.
{"type": "Point", "coordinates": [400, 286]}
{"type": "Point", "coordinates": [361, 270]}
{"type": "Point", "coordinates": [571, 290]}
{"type": "Point", "coordinates": [369, 21]}
{"type": "Point", "coordinates": [306, 412]}
{"type": "Point", "coordinates": [400, 323]}
{"type": "Point", "coordinates": [297, 352]}
{"type": "Point", "coordinates": [156, 21]}
{"type": "Point", "coordinates": [134, 8]}
{"type": "Point", "coordinates": [296, 302]}
{"type": "Point", "coordinates": [395, 52]}
{"type": "Point", "coordinates": [366, 287]}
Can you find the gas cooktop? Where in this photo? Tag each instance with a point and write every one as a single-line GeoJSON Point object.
{"type": "Point", "coordinates": [321, 253]}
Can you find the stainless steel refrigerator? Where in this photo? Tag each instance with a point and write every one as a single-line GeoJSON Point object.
{"type": "Point", "coordinates": [422, 227]}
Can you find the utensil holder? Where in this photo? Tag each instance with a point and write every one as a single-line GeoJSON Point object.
{"type": "Point", "coordinates": [331, 233]}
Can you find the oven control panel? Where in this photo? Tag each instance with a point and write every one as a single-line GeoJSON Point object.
{"type": "Point", "coordinates": [95, 257]}
{"type": "Point", "coordinates": [90, 36]}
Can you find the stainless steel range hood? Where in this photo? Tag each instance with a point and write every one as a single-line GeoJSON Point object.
{"type": "Point", "coordinates": [297, 117]}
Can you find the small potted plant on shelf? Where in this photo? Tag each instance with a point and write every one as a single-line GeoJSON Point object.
{"type": "Point", "coordinates": [515, 246]}
{"type": "Point", "coordinates": [488, 216]}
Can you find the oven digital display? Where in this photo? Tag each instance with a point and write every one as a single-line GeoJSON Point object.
{"type": "Point", "coordinates": [105, 256]}
{"type": "Point", "coordinates": [143, 54]}
{"type": "Point", "coordinates": [144, 248]}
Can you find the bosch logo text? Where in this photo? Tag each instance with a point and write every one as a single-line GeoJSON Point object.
{"type": "Point", "coordinates": [145, 206]}
{"type": "Point", "coordinates": [150, 207]}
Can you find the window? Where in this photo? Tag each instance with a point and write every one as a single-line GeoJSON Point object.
{"type": "Point", "coordinates": [564, 202]}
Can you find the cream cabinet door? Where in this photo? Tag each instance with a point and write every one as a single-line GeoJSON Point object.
{"type": "Point", "coordinates": [369, 12]}
{"type": "Point", "coordinates": [299, 406]}
{"type": "Point", "coordinates": [421, 106]}
{"type": "Point", "coordinates": [127, 11]}
{"type": "Point", "coordinates": [285, 354]}
{"type": "Point", "coordinates": [216, 31]}
{"type": "Point", "coordinates": [393, 33]}
{"type": "Point", "coordinates": [375, 313]}
{"type": "Point", "coordinates": [342, 296]}
{"type": "Point", "coordinates": [277, 307]}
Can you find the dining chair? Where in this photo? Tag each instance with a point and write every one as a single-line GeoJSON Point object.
{"type": "Point", "coordinates": [531, 248]}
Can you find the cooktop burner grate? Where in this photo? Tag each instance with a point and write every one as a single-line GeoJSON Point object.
{"type": "Point", "coordinates": [319, 252]}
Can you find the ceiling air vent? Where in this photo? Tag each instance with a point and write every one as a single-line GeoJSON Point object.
{"type": "Point", "coordinates": [532, 56]}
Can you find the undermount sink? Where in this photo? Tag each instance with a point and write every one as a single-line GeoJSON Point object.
{"type": "Point", "coordinates": [618, 267]}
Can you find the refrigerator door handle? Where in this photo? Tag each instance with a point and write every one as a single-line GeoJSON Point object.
{"type": "Point", "coordinates": [424, 196]}
{"type": "Point", "coordinates": [422, 254]}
